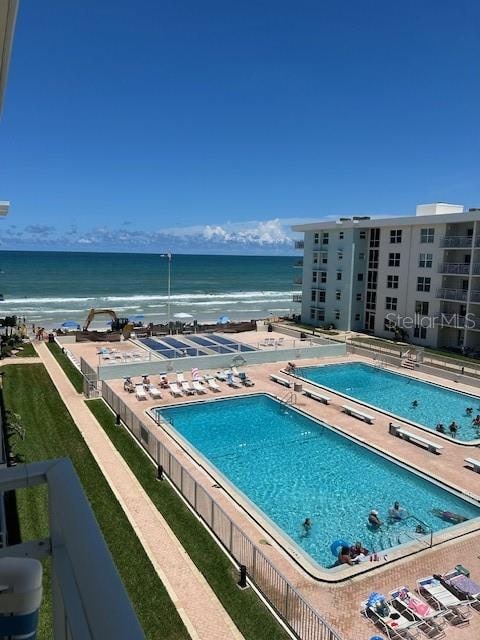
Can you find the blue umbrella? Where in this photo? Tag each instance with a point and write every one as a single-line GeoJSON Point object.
{"type": "Point", "coordinates": [223, 320]}
{"type": "Point", "coordinates": [70, 324]}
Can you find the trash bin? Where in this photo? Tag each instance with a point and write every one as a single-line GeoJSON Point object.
{"type": "Point", "coordinates": [297, 387]}
{"type": "Point", "coordinates": [21, 580]}
{"type": "Point", "coordinates": [51, 337]}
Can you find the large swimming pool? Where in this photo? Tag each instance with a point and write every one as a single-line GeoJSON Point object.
{"type": "Point", "coordinates": [395, 393]}
{"type": "Point", "coordinates": [293, 467]}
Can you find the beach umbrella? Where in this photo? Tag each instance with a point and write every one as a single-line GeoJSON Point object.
{"type": "Point", "coordinates": [70, 324]}
{"type": "Point", "coordinates": [182, 316]}
{"type": "Point", "coordinates": [223, 320]}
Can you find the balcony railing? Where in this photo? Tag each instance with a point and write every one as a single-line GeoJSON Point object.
{"type": "Point", "coordinates": [458, 268]}
{"type": "Point", "coordinates": [86, 588]}
{"type": "Point", "coordinates": [299, 244]}
{"type": "Point", "coordinates": [476, 269]}
{"type": "Point", "coordinates": [452, 294]}
{"type": "Point", "coordinates": [298, 263]}
{"type": "Point", "coordinates": [474, 296]}
{"type": "Point", "coordinates": [297, 281]}
{"type": "Point", "coordinates": [297, 297]}
{"type": "Point", "coordinates": [455, 321]}
{"type": "Point", "coordinates": [457, 242]}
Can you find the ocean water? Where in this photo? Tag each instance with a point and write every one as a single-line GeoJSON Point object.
{"type": "Point", "coordinates": [51, 287]}
{"type": "Point", "coordinates": [293, 467]}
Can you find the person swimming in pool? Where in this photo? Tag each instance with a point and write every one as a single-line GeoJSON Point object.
{"type": "Point", "coordinates": [440, 428]}
{"type": "Point", "coordinates": [396, 512]}
{"type": "Point", "coordinates": [414, 404]}
{"type": "Point", "coordinates": [469, 411]}
{"type": "Point", "coordinates": [306, 526]}
{"type": "Point", "coordinates": [374, 520]}
{"type": "Point", "coordinates": [453, 428]}
{"type": "Point", "coordinates": [449, 516]}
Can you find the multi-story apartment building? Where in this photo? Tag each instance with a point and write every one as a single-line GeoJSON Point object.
{"type": "Point", "coordinates": [419, 273]}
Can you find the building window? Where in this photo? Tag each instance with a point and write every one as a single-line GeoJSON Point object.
{"type": "Point", "coordinates": [340, 255]}
{"type": "Point", "coordinates": [421, 308]}
{"type": "Point", "coordinates": [323, 277]}
{"type": "Point", "coordinates": [427, 235]}
{"type": "Point", "coordinates": [371, 300]}
{"type": "Point", "coordinates": [338, 294]}
{"type": "Point", "coordinates": [321, 315]}
{"type": "Point", "coordinates": [391, 303]}
{"type": "Point", "coordinates": [337, 314]}
{"type": "Point", "coordinates": [423, 284]}
{"type": "Point", "coordinates": [339, 275]}
{"type": "Point", "coordinates": [395, 236]}
{"type": "Point", "coordinates": [315, 238]}
{"type": "Point", "coordinates": [388, 325]}
{"type": "Point", "coordinates": [363, 235]}
{"type": "Point", "coordinates": [393, 259]}
{"type": "Point", "coordinates": [325, 238]}
{"type": "Point", "coordinates": [360, 277]}
{"type": "Point", "coordinates": [361, 256]}
{"type": "Point", "coordinates": [324, 258]}
{"type": "Point", "coordinates": [373, 259]}
{"type": "Point", "coordinates": [312, 314]}
{"type": "Point", "coordinates": [392, 282]}
{"type": "Point", "coordinates": [372, 279]}
{"type": "Point", "coordinates": [315, 258]}
{"type": "Point", "coordinates": [314, 277]}
{"type": "Point", "coordinates": [374, 238]}
{"type": "Point", "coordinates": [420, 332]}
{"type": "Point", "coordinates": [359, 297]}
{"type": "Point", "coordinates": [314, 296]}
{"type": "Point", "coordinates": [425, 260]}
{"type": "Point", "coordinates": [340, 235]}
{"type": "Point", "coordinates": [357, 316]}
{"type": "Point", "coordinates": [321, 296]}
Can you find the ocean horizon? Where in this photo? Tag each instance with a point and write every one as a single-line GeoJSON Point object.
{"type": "Point", "coordinates": [49, 287]}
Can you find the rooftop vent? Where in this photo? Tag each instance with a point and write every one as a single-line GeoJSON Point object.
{"type": "Point", "coordinates": [344, 219]}
{"type": "Point", "coordinates": [474, 209]}
{"type": "Point", "coordinates": [361, 217]}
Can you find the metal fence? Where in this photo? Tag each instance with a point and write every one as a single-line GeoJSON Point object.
{"type": "Point", "coordinates": [301, 618]}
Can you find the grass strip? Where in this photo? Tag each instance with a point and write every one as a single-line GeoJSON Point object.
{"type": "Point", "coordinates": [250, 615]}
{"type": "Point", "coordinates": [51, 433]}
{"type": "Point", "coordinates": [27, 351]}
{"type": "Point", "coordinates": [71, 371]}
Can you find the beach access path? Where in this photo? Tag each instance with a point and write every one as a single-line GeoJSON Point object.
{"type": "Point", "coordinates": [201, 611]}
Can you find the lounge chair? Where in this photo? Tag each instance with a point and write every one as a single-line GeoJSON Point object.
{"type": "Point", "coordinates": [174, 389]}
{"type": "Point", "coordinates": [431, 622]}
{"type": "Point", "coordinates": [154, 391]}
{"type": "Point", "coordinates": [462, 587]}
{"type": "Point", "coordinates": [221, 375]}
{"type": "Point", "coordinates": [198, 387]}
{"type": "Point", "coordinates": [245, 380]}
{"type": "Point", "coordinates": [439, 597]}
{"type": "Point", "coordinates": [180, 378]}
{"type": "Point", "coordinates": [140, 392]}
{"type": "Point", "coordinates": [394, 624]}
{"type": "Point", "coordinates": [212, 385]}
{"type": "Point", "coordinates": [187, 388]}
{"type": "Point", "coordinates": [232, 381]}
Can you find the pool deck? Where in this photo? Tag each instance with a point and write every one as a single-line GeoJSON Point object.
{"type": "Point", "coordinates": [340, 603]}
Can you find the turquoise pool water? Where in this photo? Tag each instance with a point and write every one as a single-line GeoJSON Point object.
{"type": "Point", "coordinates": [394, 393]}
{"type": "Point", "coordinates": [293, 467]}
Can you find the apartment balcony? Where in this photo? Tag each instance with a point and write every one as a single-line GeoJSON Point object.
{"type": "Point", "coordinates": [298, 264]}
{"type": "Point", "coordinates": [476, 269]}
{"type": "Point", "coordinates": [297, 281]}
{"type": "Point", "coordinates": [454, 321]}
{"type": "Point", "coordinates": [89, 600]}
{"type": "Point", "coordinates": [475, 296]}
{"type": "Point", "coordinates": [299, 244]}
{"type": "Point", "coordinates": [457, 242]}
{"type": "Point", "coordinates": [454, 268]}
{"type": "Point", "coordinates": [452, 294]}
{"type": "Point", "coordinates": [297, 297]}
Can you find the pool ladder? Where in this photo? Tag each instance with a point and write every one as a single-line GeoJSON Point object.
{"type": "Point", "coordinates": [289, 398]}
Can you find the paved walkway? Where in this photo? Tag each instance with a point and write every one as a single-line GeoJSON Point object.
{"type": "Point", "coordinates": [196, 603]}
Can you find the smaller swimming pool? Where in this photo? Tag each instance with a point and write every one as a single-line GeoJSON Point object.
{"type": "Point", "coordinates": [394, 393]}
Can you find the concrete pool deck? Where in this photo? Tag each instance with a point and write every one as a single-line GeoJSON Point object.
{"type": "Point", "coordinates": [339, 603]}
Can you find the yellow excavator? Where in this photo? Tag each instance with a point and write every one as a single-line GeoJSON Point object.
{"type": "Point", "coordinates": [117, 323]}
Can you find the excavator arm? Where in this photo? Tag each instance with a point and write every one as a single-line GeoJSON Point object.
{"type": "Point", "coordinates": [96, 312]}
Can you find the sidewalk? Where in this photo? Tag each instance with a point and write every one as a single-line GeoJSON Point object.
{"type": "Point", "coordinates": [201, 612]}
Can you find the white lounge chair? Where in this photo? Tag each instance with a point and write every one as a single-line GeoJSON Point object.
{"type": "Point", "coordinates": [234, 370]}
{"type": "Point", "coordinates": [180, 378]}
{"type": "Point", "coordinates": [140, 392]}
{"type": "Point", "coordinates": [154, 391]}
{"type": "Point", "coordinates": [174, 389]}
{"type": "Point", "coordinates": [393, 623]}
{"type": "Point", "coordinates": [198, 387]}
{"type": "Point", "coordinates": [456, 611]}
{"type": "Point", "coordinates": [187, 388]}
{"type": "Point", "coordinates": [431, 622]}
{"type": "Point", "coordinates": [212, 384]}
{"type": "Point", "coordinates": [233, 382]}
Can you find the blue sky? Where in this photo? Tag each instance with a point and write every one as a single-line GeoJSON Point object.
{"type": "Point", "coordinates": [212, 126]}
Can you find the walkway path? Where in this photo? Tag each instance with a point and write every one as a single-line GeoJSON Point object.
{"type": "Point", "coordinates": [196, 603]}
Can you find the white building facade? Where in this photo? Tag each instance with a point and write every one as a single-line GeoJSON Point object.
{"type": "Point", "coordinates": [416, 277]}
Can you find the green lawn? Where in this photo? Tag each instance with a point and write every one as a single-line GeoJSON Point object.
{"type": "Point", "coordinates": [51, 433]}
{"type": "Point", "coordinates": [246, 610]}
{"type": "Point", "coordinates": [27, 351]}
{"type": "Point", "coordinates": [71, 371]}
